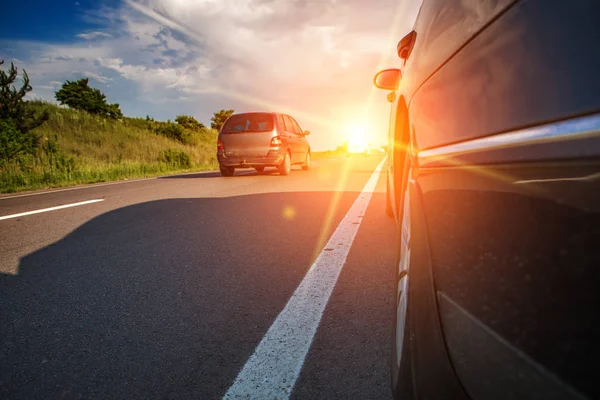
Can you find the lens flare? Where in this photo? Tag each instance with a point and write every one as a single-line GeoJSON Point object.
{"type": "Point", "coordinates": [289, 212]}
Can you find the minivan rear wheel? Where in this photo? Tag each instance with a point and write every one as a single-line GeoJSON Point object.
{"type": "Point", "coordinates": [286, 165]}
{"type": "Point", "coordinates": [227, 171]}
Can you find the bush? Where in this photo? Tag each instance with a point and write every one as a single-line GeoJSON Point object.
{"type": "Point", "coordinates": [13, 142]}
{"type": "Point", "coordinates": [189, 122]}
{"type": "Point", "coordinates": [176, 158]}
{"type": "Point", "coordinates": [172, 131]}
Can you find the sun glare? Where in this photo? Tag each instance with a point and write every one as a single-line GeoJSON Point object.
{"type": "Point", "coordinates": [356, 133]}
{"type": "Point", "coordinates": [358, 136]}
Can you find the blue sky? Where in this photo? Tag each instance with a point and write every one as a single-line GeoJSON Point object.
{"type": "Point", "coordinates": [35, 19]}
{"type": "Point", "coordinates": [312, 58]}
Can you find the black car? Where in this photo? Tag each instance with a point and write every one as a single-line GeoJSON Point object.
{"type": "Point", "coordinates": [494, 181]}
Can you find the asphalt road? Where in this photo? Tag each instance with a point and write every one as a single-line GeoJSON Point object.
{"type": "Point", "coordinates": [165, 287]}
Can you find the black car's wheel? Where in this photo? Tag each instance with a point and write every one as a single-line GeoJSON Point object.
{"type": "Point", "coordinates": [286, 165]}
{"type": "Point", "coordinates": [306, 164]}
{"type": "Point", "coordinates": [388, 204]}
{"type": "Point", "coordinates": [259, 169]}
{"type": "Point", "coordinates": [227, 171]}
{"type": "Point", "coordinates": [402, 386]}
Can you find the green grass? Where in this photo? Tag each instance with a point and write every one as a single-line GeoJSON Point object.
{"type": "Point", "coordinates": [96, 149]}
{"type": "Point", "coordinates": [325, 154]}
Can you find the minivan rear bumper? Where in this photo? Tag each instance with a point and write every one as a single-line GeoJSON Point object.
{"type": "Point", "coordinates": [272, 159]}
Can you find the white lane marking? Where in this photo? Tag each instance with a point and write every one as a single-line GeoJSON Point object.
{"type": "Point", "coordinates": [273, 368]}
{"type": "Point", "coordinates": [43, 210]}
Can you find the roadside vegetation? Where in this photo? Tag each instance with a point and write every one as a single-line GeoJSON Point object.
{"type": "Point", "coordinates": [45, 145]}
{"type": "Point", "coordinates": [339, 151]}
{"type": "Point", "coordinates": [315, 155]}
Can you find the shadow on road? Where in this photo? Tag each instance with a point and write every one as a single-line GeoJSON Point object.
{"type": "Point", "coordinates": [239, 173]}
{"type": "Point", "coordinates": [165, 299]}
{"type": "Point", "coordinates": [213, 174]}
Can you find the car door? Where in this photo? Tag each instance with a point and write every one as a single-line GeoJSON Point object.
{"type": "Point", "coordinates": [291, 137]}
{"type": "Point", "coordinates": [508, 174]}
{"type": "Point", "coordinates": [302, 142]}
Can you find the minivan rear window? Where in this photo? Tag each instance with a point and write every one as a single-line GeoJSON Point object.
{"type": "Point", "coordinates": [252, 122]}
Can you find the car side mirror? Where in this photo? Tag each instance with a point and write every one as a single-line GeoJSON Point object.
{"type": "Point", "coordinates": [388, 79]}
{"type": "Point", "coordinates": [306, 133]}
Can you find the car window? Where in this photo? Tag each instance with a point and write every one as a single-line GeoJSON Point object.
{"type": "Point", "coordinates": [252, 122]}
{"type": "Point", "coordinates": [289, 125]}
{"type": "Point", "coordinates": [280, 119]}
{"type": "Point", "coordinates": [297, 129]}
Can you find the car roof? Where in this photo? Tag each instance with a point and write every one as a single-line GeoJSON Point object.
{"type": "Point", "coordinates": [262, 112]}
{"type": "Point", "coordinates": [255, 112]}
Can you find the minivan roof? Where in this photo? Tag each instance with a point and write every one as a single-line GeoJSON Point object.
{"type": "Point", "coordinates": [261, 112]}
{"type": "Point", "coordinates": [256, 112]}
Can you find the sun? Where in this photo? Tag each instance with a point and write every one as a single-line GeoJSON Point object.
{"type": "Point", "coordinates": [357, 134]}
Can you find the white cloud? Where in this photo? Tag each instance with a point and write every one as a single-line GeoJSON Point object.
{"type": "Point", "coordinates": [93, 35]}
{"type": "Point", "coordinates": [97, 77]}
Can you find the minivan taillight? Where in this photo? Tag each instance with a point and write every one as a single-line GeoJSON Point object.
{"type": "Point", "coordinates": [276, 141]}
{"type": "Point", "coordinates": [220, 145]}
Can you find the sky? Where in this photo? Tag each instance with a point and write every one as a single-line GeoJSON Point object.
{"type": "Point", "coordinates": [313, 59]}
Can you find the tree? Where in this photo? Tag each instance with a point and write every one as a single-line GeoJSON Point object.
{"type": "Point", "coordinates": [219, 118]}
{"type": "Point", "coordinates": [81, 96]}
{"type": "Point", "coordinates": [17, 118]}
{"type": "Point", "coordinates": [189, 122]}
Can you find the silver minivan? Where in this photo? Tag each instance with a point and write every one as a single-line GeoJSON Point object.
{"type": "Point", "coordinates": [262, 139]}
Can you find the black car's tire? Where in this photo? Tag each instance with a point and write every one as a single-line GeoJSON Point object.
{"type": "Point", "coordinates": [286, 165]}
{"type": "Point", "coordinates": [388, 204]}
{"type": "Point", "coordinates": [306, 165]}
{"type": "Point", "coordinates": [259, 169]}
{"type": "Point", "coordinates": [227, 171]}
{"type": "Point", "coordinates": [402, 384]}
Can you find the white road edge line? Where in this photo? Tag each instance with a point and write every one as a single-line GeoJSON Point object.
{"type": "Point", "coordinates": [43, 210]}
{"type": "Point", "coordinates": [96, 185]}
{"type": "Point", "coordinates": [87, 186]}
{"type": "Point", "coordinates": [272, 370]}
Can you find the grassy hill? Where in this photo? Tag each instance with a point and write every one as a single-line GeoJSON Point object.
{"type": "Point", "coordinates": [77, 147]}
